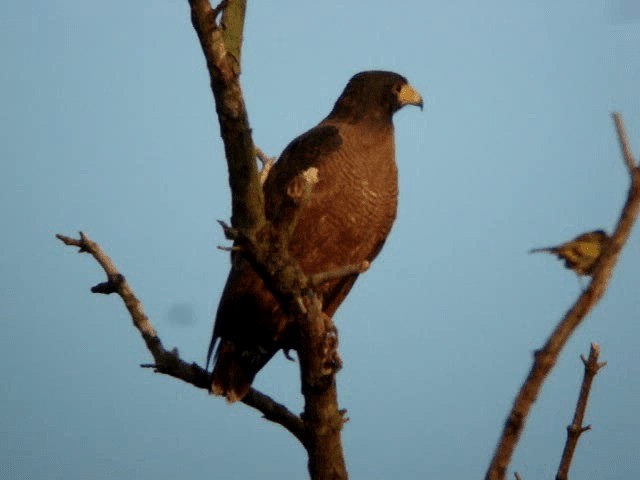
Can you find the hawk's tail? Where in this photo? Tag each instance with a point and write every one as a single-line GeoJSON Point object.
{"type": "Point", "coordinates": [234, 370]}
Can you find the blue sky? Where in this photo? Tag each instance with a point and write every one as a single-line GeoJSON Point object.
{"type": "Point", "coordinates": [107, 125]}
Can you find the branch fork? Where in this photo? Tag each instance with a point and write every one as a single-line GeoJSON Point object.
{"type": "Point", "coordinates": [547, 356]}
{"type": "Point", "coordinates": [169, 362]}
{"type": "Point", "coordinates": [575, 429]}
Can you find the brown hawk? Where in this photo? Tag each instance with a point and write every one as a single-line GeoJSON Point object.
{"type": "Point", "coordinates": [349, 158]}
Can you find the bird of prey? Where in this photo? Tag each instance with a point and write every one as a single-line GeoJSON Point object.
{"type": "Point", "coordinates": [349, 159]}
{"type": "Point", "coordinates": [582, 253]}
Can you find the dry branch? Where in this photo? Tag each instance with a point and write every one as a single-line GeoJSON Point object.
{"type": "Point", "coordinates": [320, 278]}
{"type": "Point", "coordinates": [627, 156]}
{"type": "Point", "coordinates": [169, 362]}
{"type": "Point", "coordinates": [319, 360]}
{"type": "Point", "coordinates": [591, 369]}
{"type": "Point", "coordinates": [319, 363]}
{"type": "Point", "coordinates": [546, 357]}
{"type": "Point", "coordinates": [267, 248]}
{"type": "Point", "coordinates": [247, 202]}
{"type": "Point", "coordinates": [267, 163]}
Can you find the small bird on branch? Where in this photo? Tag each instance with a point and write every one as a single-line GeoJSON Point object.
{"type": "Point", "coordinates": [580, 254]}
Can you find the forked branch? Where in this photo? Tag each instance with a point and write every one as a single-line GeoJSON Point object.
{"type": "Point", "coordinates": [591, 369]}
{"type": "Point", "coordinates": [546, 357]}
{"type": "Point", "coordinates": [169, 362]}
{"type": "Point", "coordinates": [264, 246]}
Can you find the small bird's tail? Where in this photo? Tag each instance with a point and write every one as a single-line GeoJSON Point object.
{"type": "Point", "coordinates": [235, 369]}
{"type": "Point", "coordinates": [545, 249]}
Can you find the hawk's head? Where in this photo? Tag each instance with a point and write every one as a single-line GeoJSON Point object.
{"type": "Point", "coordinates": [375, 94]}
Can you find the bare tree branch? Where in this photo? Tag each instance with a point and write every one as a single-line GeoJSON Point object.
{"type": "Point", "coordinates": [247, 202]}
{"type": "Point", "coordinates": [267, 163]}
{"type": "Point", "coordinates": [546, 357]}
{"type": "Point", "coordinates": [319, 362]}
{"type": "Point", "coordinates": [320, 278]}
{"type": "Point", "coordinates": [591, 368]}
{"type": "Point", "coordinates": [277, 413]}
{"type": "Point", "coordinates": [627, 156]}
{"type": "Point", "coordinates": [169, 362]}
{"type": "Point", "coordinates": [264, 246]}
{"type": "Point", "coordinates": [233, 26]}
{"type": "Point", "coordinates": [321, 424]}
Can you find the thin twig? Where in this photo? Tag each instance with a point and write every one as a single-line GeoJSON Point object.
{"type": "Point", "coordinates": [277, 413]}
{"type": "Point", "coordinates": [221, 6]}
{"type": "Point", "coordinates": [121, 287]}
{"type": "Point", "coordinates": [229, 249]}
{"type": "Point", "coordinates": [169, 362]}
{"type": "Point", "coordinates": [517, 475]}
{"type": "Point", "coordinates": [591, 369]}
{"type": "Point", "coordinates": [627, 156]}
{"type": "Point", "coordinates": [267, 163]}
{"type": "Point", "coordinates": [263, 157]}
{"type": "Point", "coordinates": [546, 357]}
{"type": "Point", "coordinates": [320, 278]}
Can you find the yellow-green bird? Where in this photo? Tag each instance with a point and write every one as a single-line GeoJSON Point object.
{"type": "Point", "coordinates": [582, 253]}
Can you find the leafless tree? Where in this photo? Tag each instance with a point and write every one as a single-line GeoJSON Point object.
{"type": "Point", "coordinates": [219, 30]}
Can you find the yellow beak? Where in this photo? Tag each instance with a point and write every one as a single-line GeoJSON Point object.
{"type": "Point", "coordinates": [409, 96]}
